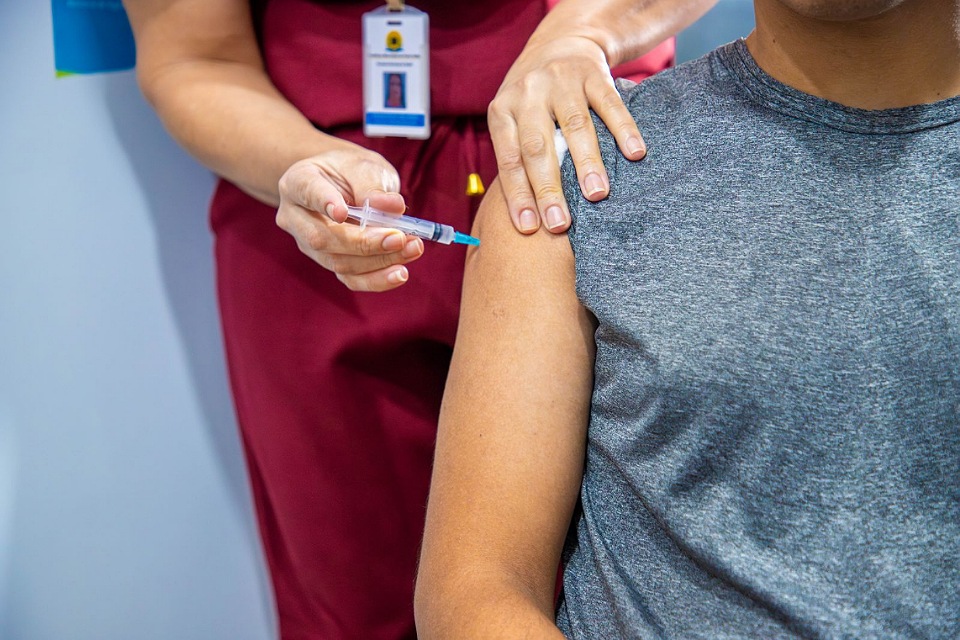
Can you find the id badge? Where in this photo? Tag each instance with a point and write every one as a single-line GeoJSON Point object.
{"type": "Point", "coordinates": [396, 73]}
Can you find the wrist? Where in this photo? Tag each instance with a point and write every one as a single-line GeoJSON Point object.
{"type": "Point", "coordinates": [548, 36]}
{"type": "Point", "coordinates": [593, 22]}
{"type": "Point", "coordinates": [303, 145]}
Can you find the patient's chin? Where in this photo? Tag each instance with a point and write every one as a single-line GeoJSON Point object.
{"type": "Point", "coordinates": [841, 10]}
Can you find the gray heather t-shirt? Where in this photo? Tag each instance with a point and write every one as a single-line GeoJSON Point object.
{"type": "Point", "coordinates": [774, 442]}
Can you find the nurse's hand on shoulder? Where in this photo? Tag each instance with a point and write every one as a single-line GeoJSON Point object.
{"type": "Point", "coordinates": [556, 81]}
{"type": "Point", "coordinates": [313, 197]}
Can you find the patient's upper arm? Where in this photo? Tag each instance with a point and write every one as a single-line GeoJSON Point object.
{"type": "Point", "coordinates": [513, 425]}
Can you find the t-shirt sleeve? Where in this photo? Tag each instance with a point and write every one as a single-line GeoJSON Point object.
{"type": "Point", "coordinates": [582, 210]}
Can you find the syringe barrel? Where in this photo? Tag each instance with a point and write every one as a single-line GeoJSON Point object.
{"type": "Point", "coordinates": [425, 229]}
{"type": "Point", "coordinates": [434, 231]}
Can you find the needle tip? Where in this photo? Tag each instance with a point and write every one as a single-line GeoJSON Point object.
{"type": "Point", "coordinates": [462, 238]}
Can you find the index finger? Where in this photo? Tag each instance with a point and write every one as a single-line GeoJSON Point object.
{"type": "Point", "coordinates": [348, 238]}
{"type": "Point", "coordinates": [576, 124]}
{"type": "Point", "coordinates": [515, 186]}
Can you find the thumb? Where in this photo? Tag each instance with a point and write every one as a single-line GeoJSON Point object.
{"type": "Point", "coordinates": [381, 186]}
{"type": "Point", "coordinates": [304, 185]}
{"type": "Point", "coordinates": [388, 202]}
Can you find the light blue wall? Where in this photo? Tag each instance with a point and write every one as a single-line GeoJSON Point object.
{"type": "Point", "coordinates": [728, 20]}
{"type": "Point", "coordinates": [124, 511]}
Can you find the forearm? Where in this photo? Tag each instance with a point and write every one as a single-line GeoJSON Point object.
{"type": "Point", "coordinates": [229, 116]}
{"type": "Point", "coordinates": [471, 606]}
{"type": "Point", "coordinates": [624, 29]}
{"type": "Point", "coordinates": [199, 65]}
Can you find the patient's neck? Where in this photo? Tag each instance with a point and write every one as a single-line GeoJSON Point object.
{"type": "Point", "coordinates": [907, 55]}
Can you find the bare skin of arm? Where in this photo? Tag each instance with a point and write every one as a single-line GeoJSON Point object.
{"type": "Point", "coordinates": [511, 440]}
{"type": "Point", "coordinates": [562, 73]}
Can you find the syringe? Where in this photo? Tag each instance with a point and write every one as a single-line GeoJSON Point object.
{"type": "Point", "coordinates": [442, 233]}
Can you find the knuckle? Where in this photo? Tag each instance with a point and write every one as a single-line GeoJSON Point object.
{"type": "Point", "coordinates": [323, 260]}
{"type": "Point", "coordinates": [282, 219]}
{"type": "Point", "coordinates": [302, 193]}
{"type": "Point", "coordinates": [317, 240]}
{"type": "Point", "coordinates": [510, 161]}
{"type": "Point", "coordinates": [610, 101]}
{"type": "Point", "coordinates": [369, 245]}
{"type": "Point", "coordinates": [497, 110]}
{"type": "Point", "coordinates": [556, 68]}
{"type": "Point", "coordinates": [548, 194]}
{"type": "Point", "coordinates": [529, 84]}
{"type": "Point", "coordinates": [501, 119]}
{"type": "Point", "coordinates": [391, 180]}
{"type": "Point", "coordinates": [381, 262]}
{"type": "Point", "coordinates": [372, 162]}
{"type": "Point", "coordinates": [284, 184]}
{"type": "Point", "coordinates": [575, 121]}
{"type": "Point", "coordinates": [519, 196]}
{"type": "Point", "coordinates": [355, 283]}
{"type": "Point", "coordinates": [589, 163]}
{"type": "Point", "coordinates": [338, 265]}
{"type": "Point", "coordinates": [533, 145]}
{"type": "Point", "coordinates": [293, 185]}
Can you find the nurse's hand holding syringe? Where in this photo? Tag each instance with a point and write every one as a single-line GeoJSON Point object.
{"type": "Point", "coordinates": [314, 195]}
{"type": "Point", "coordinates": [315, 199]}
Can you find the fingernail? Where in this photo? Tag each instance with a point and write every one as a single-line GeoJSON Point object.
{"type": "Point", "coordinates": [398, 277]}
{"type": "Point", "coordinates": [555, 217]}
{"type": "Point", "coordinates": [393, 242]}
{"type": "Point", "coordinates": [594, 184]}
{"type": "Point", "coordinates": [413, 247]}
{"type": "Point", "coordinates": [329, 209]}
{"type": "Point", "coordinates": [528, 220]}
{"type": "Point", "coordinates": [635, 146]}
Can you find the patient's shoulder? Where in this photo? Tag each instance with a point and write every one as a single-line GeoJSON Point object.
{"type": "Point", "coordinates": [686, 90]}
